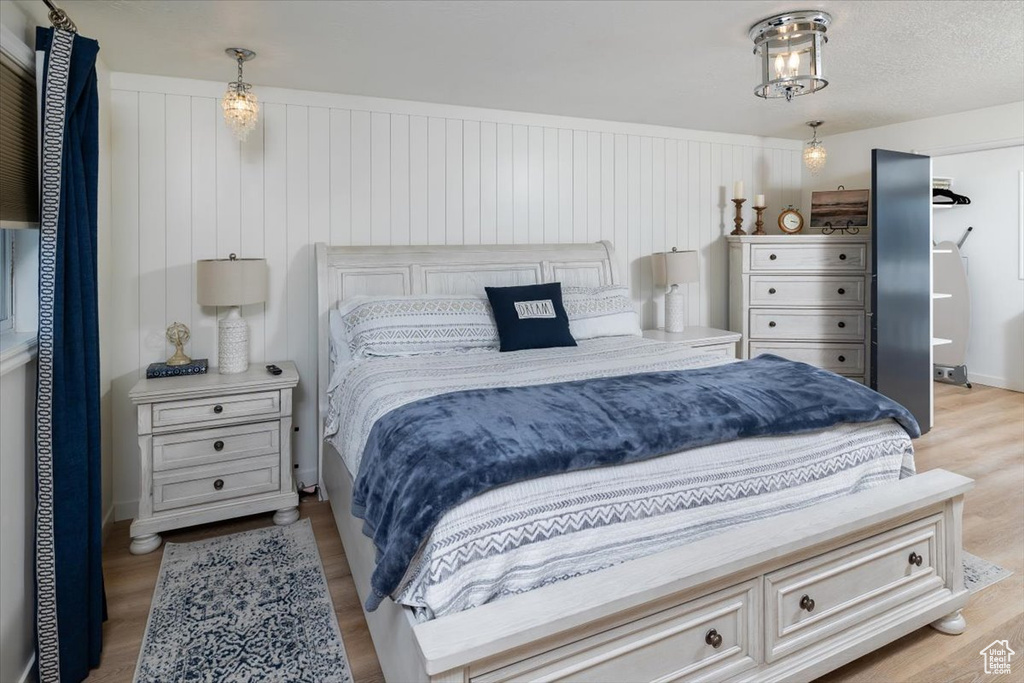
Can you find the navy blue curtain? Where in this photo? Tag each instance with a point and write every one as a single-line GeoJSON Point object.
{"type": "Point", "coordinates": [70, 604]}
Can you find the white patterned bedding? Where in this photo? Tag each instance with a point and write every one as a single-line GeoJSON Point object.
{"type": "Point", "coordinates": [518, 537]}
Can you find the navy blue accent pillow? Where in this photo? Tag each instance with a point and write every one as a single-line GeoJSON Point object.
{"type": "Point", "coordinates": [530, 316]}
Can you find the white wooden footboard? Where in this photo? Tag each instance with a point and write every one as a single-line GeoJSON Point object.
{"type": "Point", "coordinates": [790, 597]}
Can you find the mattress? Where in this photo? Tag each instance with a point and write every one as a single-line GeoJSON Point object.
{"type": "Point", "coordinates": [529, 534]}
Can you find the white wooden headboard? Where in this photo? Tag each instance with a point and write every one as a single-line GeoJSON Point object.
{"type": "Point", "coordinates": [343, 272]}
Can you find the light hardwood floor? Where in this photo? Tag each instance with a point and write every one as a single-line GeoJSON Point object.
{"type": "Point", "coordinates": [978, 433]}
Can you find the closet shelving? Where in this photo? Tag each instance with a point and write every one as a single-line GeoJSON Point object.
{"type": "Point", "coordinates": [945, 183]}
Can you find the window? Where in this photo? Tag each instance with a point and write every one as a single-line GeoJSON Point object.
{"type": "Point", "coordinates": [6, 280]}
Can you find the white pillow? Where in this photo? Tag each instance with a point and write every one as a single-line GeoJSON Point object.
{"type": "Point", "coordinates": [416, 324]}
{"type": "Point", "coordinates": [600, 312]}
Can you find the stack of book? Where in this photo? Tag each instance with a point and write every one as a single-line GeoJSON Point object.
{"type": "Point", "coordinates": [198, 366]}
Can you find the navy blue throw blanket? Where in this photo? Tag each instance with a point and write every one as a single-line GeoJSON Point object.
{"type": "Point", "coordinates": [424, 458]}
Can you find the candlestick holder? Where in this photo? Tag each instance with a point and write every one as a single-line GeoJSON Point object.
{"type": "Point", "coordinates": [739, 218]}
{"type": "Point", "coordinates": [759, 224]}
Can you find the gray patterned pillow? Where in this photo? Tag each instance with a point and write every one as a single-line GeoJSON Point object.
{"type": "Point", "coordinates": [416, 324]}
{"type": "Point", "coordinates": [606, 311]}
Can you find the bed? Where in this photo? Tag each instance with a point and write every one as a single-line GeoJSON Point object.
{"type": "Point", "coordinates": [686, 591]}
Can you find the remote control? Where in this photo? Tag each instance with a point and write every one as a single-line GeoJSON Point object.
{"type": "Point", "coordinates": [274, 370]}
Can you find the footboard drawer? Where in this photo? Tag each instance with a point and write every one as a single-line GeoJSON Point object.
{"type": "Point", "coordinates": [710, 639]}
{"type": "Point", "coordinates": [813, 600]}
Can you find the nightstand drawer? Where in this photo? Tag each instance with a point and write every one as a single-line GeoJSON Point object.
{"type": "Point", "coordinates": [217, 408]}
{"type": "Point", "coordinates": [723, 350]}
{"type": "Point", "coordinates": [808, 257]}
{"type": "Point", "coordinates": [845, 359]}
{"type": "Point", "coordinates": [220, 444]}
{"type": "Point", "coordinates": [806, 290]}
{"type": "Point", "coordinates": [824, 324]}
{"type": "Point", "coordinates": [209, 484]}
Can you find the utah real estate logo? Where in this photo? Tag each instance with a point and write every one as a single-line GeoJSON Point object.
{"type": "Point", "coordinates": [997, 657]}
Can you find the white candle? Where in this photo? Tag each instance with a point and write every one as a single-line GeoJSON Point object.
{"type": "Point", "coordinates": [759, 200]}
{"type": "Point", "coordinates": [737, 189]}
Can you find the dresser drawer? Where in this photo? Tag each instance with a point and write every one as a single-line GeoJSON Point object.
{"type": "Point", "coordinates": [806, 290]}
{"type": "Point", "coordinates": [813, 600]}
{"type": "Point", "coordinates": [808, 257]}
{"type": "Point", "coordinates": [816, 324]}
{"type": "Point", "coordinates": [845, 359]}
{"type": "Point", "coordinates": [212, 483]}
{"type": "Point", "coordinates": [219, 444]}
{"type": "Point", "coordinates": [217, 408]}
{"type": "Point", "coordinates": [666, 646]}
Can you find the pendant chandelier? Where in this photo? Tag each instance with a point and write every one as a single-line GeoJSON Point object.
{"type": "Point", "coordinates": [789, 48]}
{"type": "Point", "coordinates": [815, 153]}
{"type": "Point", "coordinates": [241, 109]}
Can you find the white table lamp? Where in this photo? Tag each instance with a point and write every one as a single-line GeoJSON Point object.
{"type": "Point", "coordinates": [671, 269]}
{"type": "Point", "coordinates": [232, 282]}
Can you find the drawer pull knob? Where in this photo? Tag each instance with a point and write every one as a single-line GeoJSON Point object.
{"type": "Point", "coordinates": [773, 257]}
{"type": "Point", "coordinates": [842, 324]}
{"type": "Point", "coordinates": [771, 291]}
{"type": "Point", "coordinates": [713, 638]}
{"type": "Point", "coordinates": [218, 445]}
{"type": "Point", "coordinates": [916, 559]}
{"type": "Point", "coordinates": [807, 603]}
{"type": "Point", "coordinates": [771, 323]}
{"type": "Point", "coordinates": [218, 409]}
{"type": "Point", "coordinates": [842, 257]}
{"type": "Point", "coordinates": [842, 359]}
{"type": "Point", "coordinates": [842, 291]}
{"type": "Point", "coordinates": [219, 484]}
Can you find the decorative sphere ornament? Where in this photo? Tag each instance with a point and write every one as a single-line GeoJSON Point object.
{"type": "Point", "coordinates": [178, 334]}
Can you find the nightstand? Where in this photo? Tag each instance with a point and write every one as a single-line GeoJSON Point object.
{"type": "Point", "coordinates": [703, 339]}
{"type": "Point", "coordinates": [213, 447]}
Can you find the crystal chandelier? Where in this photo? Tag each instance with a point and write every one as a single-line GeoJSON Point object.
{"type": "Point", "coordinates": [815, 153]}
{"type": "Point", "coordinates": [789, 49]}
{"type": "Point", "coordinates": [241, 110]}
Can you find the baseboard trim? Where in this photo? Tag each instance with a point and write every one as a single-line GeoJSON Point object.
{"type": "Point", "coordinates": [108, 523]}
{"type": "Point", "coordinates": [26, 674]}
{"type": "Point", "coordinates": [991, 381]}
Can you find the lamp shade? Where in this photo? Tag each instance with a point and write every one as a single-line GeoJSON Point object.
{"type": "Point", "coordinates": [231, 282]}
{"type": "Point", "coordinates": [675, 267]}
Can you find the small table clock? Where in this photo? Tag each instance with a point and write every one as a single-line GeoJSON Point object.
{"type": "Point", "coordinates": [791, 221]}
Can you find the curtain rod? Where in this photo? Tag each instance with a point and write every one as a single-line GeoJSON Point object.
{"type": "Point", "coordinates": [59, 18]}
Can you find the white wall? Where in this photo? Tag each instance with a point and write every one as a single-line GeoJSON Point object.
{"type": "Point", "coordinates": [997, 340]}
{"type": "Point", "coordinates": [849, 154]}
{"type": "Point", "coordinates": [353, 170]}
{"type": "Point", "coordinates": [991, 178]}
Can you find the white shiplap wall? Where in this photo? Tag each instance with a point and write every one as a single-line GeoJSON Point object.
{"type": "Point", "coordinates": [353, 170]}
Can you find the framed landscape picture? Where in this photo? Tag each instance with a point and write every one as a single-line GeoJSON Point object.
{"type": "Point", "coordinates": [839, 209]}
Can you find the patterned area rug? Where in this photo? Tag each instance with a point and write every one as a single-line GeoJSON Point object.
{"type": "Point", "coordinates": [979, 573]}
{"type": "Point", "coordinates": [252, 606]}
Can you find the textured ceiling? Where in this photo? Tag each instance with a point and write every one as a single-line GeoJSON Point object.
{"type": "Point", "coordinates": [685, 64]}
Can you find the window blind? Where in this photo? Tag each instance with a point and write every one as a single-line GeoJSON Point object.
{"type": "Point", "coordinates": [19, 167]}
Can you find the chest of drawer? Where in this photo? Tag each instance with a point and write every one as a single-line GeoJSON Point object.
{"type": "Point", "coordinates": [709, 639]}
{"type": "Point", "coordinates": [806, 290]}
{"type": "Point", "coordinates": [217, 409]}
{"type": "Point", "coordinates": [218, 444]}
{"type": "Point", "coordinates": [810, 324]}
{"type": "Point", "coordinates": [845, 359]}
{"type": "Point", "coordinates": [213, 483]}
{"type": "Point", "coordinates": [813, 600]}
{"type": "Point", "coordinates": [808, 257]}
